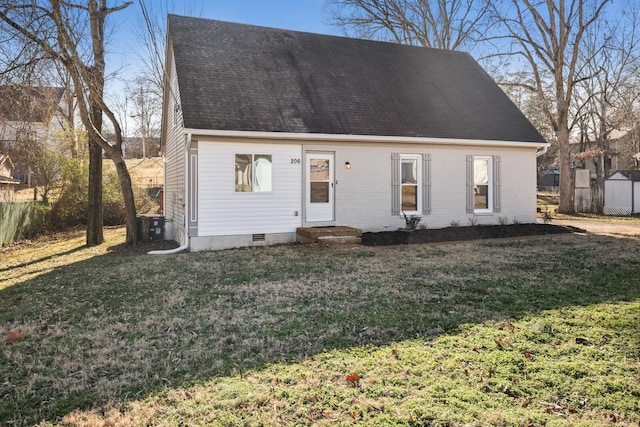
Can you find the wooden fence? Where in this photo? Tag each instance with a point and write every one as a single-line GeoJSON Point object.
{"type": "Point", "coordinates": [20, 220]}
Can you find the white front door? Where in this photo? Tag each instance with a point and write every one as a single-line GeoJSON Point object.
{"type": "Point", "coordinates": [320, 186]}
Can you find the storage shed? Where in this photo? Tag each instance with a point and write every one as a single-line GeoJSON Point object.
{"type": "Point", "coordinates": [622, 193]}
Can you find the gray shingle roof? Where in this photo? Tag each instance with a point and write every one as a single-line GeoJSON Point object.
{"type": "Point", "coordinates": [632, 174]}
{"type": "Point", "coordinates": [248, 78]}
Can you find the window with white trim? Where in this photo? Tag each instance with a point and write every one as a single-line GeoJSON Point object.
{"type": "Point", "coordinates": [483, 184]}
{"type": "Point", "coordinates": [482, 188]}
{"type": "Point", "coordinates": [410, 184]}
{"type": "Point", "coordinates": [253, 173]}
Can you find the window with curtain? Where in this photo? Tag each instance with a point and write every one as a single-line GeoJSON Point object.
{"type": "Point", "coordinates": [253, 173]}
{"type": "Point", "coordinates": [410, 183]}
{"type": "Point", "coordinates": [483, 184]}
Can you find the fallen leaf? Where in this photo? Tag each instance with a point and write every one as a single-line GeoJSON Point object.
{"type": "Point", "coordinates": [353, 378]}
{"type": "Point", "coordinates": [13, 336]}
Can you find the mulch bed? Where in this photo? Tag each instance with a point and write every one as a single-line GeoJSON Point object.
{"type": "Point", "coordinates": [452, 234]}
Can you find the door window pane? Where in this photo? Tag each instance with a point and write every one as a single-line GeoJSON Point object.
{"type": "Point", "coordinates": [319, 169]}
{"type": "Point", "coordinates": [319, 174]}
{"type": "Point", "coordinates": [319, 192]}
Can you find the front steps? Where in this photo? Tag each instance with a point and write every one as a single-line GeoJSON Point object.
{"type": "Point", "coordinates": [329, 236]}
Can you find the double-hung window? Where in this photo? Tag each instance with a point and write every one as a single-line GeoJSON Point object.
{"type": "Point", "coordinates": [410, 184]}
{"type": "Point", "coordinates": [483, 184]}
{"type": "Point", "coordinates": [482, 191]}
{"type": "Point", "coordinates": [253, 173]}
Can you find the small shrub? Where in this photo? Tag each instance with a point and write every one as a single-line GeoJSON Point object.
{"type": "Point", "coordinates": [516, 220]}
{"type": "Point", "coordinates": [411, 222]}
{"type": "Point", "coordinates": [453, 223]}
{"type": "Point", "coordinates": [473, 221]}
{"type": "Point", "coordinates": [503, 220]}
{"type": "Point", "coordinates": [70, 208]}
{"type": "Point", "coordinates": [40, 219]}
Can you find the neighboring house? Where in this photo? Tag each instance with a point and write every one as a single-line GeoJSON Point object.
{"type": "Point", "coordinates": [622, 152]}
{"type": "Point", "coordinates": [29, 115]}
{"type": "Point", "coordinates": [627, 147]}
{"type": "Point", "coordinates": [622, 193]}
{"type": "Point", "coordinates": [266, 130]}
{"type": "Point", "coordinates": [7, 184]}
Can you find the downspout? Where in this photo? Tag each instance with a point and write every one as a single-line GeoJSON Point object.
{"type": "Point", "coordinates": [185, 245]}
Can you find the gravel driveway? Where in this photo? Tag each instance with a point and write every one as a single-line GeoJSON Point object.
{"type": "Point", "coordinates": [605, 228]}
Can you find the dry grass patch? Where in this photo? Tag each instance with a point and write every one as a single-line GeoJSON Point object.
{"type": "Point", "coordinates": [437, 333]}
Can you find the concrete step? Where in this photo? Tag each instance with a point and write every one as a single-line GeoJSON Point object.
{"type": "Point", "coordinates": [339, 240]}
{"type": "Point", "coordinates": [336, 235]}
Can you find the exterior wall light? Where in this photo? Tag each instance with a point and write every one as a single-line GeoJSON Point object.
{"type": "Point", "coordinates": [347, 165]}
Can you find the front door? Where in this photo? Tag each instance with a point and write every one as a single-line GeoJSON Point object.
{"type": "Point", "coordinates": [320, 183]}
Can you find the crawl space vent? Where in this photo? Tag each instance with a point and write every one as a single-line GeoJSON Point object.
{"type": "Point", "coordinates": [257, 238]}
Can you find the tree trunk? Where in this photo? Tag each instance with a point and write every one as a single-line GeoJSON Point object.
{"type": "Point", "coordinates": [566, 205]}
{"type": "Point", "coordinates": [95, 235]}
{"type": "Point", "coordinates": [598, 194]}
{"type": "Point", "coordinates": [129, 199]}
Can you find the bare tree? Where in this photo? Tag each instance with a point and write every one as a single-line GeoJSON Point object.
{"type": "Point", "coordinates": [147, 106]}
{"type": "Point", "coordinates": [549, 35]}
{"type": "Point", "coordinates": [443, 24]}
{"type": "Point", "coordinates": [611, 65]}
{"type": "Point", "coordinates": [73, 34]}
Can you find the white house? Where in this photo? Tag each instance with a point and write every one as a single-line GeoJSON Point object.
{"type": "Point", "coordinates": [266, 130]}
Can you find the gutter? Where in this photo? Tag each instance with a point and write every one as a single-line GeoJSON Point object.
{"type": "Point", "coordinates": [298, 136]}
{"type": "Point", "coordinates": [542, 151]}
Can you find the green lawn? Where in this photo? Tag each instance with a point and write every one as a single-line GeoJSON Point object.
{"type": "Point", "coordinates": [532, 332]}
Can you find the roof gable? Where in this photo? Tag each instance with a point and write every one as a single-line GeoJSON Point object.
{"type": "Point", "coordinates": [247, 78]}
{"type": "Point", "coordinates": [630, 174]}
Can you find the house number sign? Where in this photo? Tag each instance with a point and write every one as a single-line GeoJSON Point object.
{"type": "Point", "coordinates": [295, 161]}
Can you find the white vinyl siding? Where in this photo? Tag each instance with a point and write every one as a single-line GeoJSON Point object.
{"type": "Point", "coordinates": [224, 211]}
{"type": "Point", "coordinates": [175, 158]}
